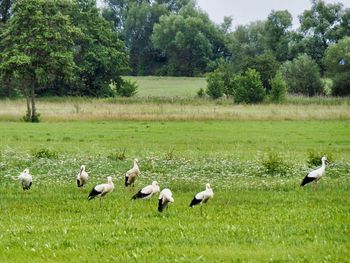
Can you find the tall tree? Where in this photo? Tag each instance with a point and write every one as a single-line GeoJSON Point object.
{"type": "Point", "coordinates": [5, 7]}
{"type": "Point", "coordinates": [37, 47]}
{"type": "Point", "coordinates": [189, 40]}
{"type": "Point", "coordinates": [277, 33]}
{"type": "Point", "coordinates": [319, 25]}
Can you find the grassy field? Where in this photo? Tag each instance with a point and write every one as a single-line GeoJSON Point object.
{"type": "Point", "coordinates": [168, 86]}
{"type": "Point", "coordinates": [257, 215]}
{"type": "Point", "coordinates": [254, 156]}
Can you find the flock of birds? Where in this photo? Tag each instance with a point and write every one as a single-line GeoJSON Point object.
{"type": "Point", "coordinates": [165, 196]}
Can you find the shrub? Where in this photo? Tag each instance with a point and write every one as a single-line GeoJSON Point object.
{"type": "Point", "coordinates": [215, 84]}
{"type": "Point", "coordinates": [45, 153]}
{"type": "Point", "coordinates": [201, 93]}
{"type": "Point", "coordinates": [302, 76]}
{"type": "Point", "coordinates": [248, 87]}
{"type": "Point", "coordinates": [314, 158]}
{"type": "Point", "coordinates": [118, 155]}
{"type": "Point", "coordinates": [278, 88]}
{"type": "Point", "coordinates": [127, 88]}
{"type": "Point", "coordinates": [274, 165]}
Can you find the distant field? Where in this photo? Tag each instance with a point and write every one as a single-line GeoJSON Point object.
{"type": "Point", "coordinates": [168, 86]}
{"type": "Point", "coordinates": [255, 216]}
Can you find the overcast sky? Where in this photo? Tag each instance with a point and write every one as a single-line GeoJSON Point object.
{"type": "Point", "coordinates": [245, 11]}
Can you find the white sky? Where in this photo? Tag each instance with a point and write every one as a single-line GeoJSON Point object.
{"type": "Point", "coordinates": [245, 11]}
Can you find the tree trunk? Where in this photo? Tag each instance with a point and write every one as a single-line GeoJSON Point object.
{"type": "Point", "coordinates": [33, 117]}
{"type": "Point", "coordinates": [29, 111]}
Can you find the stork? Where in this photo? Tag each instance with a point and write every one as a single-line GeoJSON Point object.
{"type": "Point", "coordinates": [132, 174]}
{"type": "Point", "coordinates": [147, 192]}
{"type": "Point", "coordinates": [82, 176]}
{"type": "Point", "coordinates": [165, 197]}
{"type": "Point", "coordinates": [202, 197]}
{"type": "Point", "coordinates": [26, 179]}
{"type": "Point", "coordinates": [101, 190]}
{"type": "Point", "coordinates": [315, 175]}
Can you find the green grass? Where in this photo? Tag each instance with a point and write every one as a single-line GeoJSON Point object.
{"type": "Point", "coordinates": [254, 216]}
{"type": "Point", "coordinates": [168, 86]}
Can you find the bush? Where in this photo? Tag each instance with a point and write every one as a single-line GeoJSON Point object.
{"type": "Point", "coordinates": [314, 158]}
{"type": "Point", "coordinates": [248, 87]}
{"type": "Point", "coordinates": [45, 153]}
{"type": "Point", "coordinates": [278, 89]}
{"type": "Point", "coordinates": [337, 60]}
{"type": "Point", "coordinates": [118, 155]}
{"type": "Point", "coordinates": [201, 93]}
{"type": "Point", "coordinates": [274, 165]}
{"type": "Point", "coordinates": [215, 84]}
{"type": "Point", "coordinates": [127, 88]}
{"type": "Point", "coordinates": [302, 76]}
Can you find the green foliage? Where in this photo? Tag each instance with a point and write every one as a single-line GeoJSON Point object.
{"type": "Point", "coordinates": [45, 153]}
{"type": "Point", "coordinates": [215, 84]}
{"type": "Point", "coordinates": [248, 87]}
{"type": "Point", "coordinates": [278, 89]}
{"type": "Point", "coordinates": [337, 60]}
{"type": "Point", "coordinates": [188, 39]}
{"type": "Point", "coordinates": [201, 93]}
{"type": "Point", "coordinates": [118, 155]}
{"type": "Point", "coordinates": [275, 165]}
{"type": "Point", "coordinates": [314, 158]}
{"type": "Point", "coordinates": [31, 118]}
{"type": "Point", "coordinates": [128, 88]}
{"type": "Point", "coordinates": [302, 76]}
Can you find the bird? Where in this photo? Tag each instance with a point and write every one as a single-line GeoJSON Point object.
{"type": "Point", "coordinates": [82, 176]}
{"type": "Point", "coordinates": [147, 192]}
{"type": "Point", "coordinates": [101, 190]}
{"type": "Point", "coordinates": [202, 197]}
{"type": "Point", "coordinates": [132, 174]}
{"type": "Point", "coordinates": [26, 179]}
{"type": "Point", "coordinates": [315, 175]}
{"type": "Point", "coordinates": [165, 197]}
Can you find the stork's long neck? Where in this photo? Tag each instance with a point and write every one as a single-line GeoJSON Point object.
{"type": "Point", "coordinates": [323, 167]}
{"type": "Point", "coordinates": [135, 164]}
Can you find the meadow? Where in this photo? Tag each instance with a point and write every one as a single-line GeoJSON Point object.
{"type": "Point", "coordinates": [253, 156]}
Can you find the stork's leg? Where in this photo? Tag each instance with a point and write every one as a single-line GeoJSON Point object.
{"type": "Point", "coordinates": [100, 202]}
{"type": "Point", "coordinates": [201, 210]}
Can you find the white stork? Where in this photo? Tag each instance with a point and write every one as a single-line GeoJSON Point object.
{"type": "Point", "coordinates": [132, 174]}
{"type": "Point", "coordinates": [101, 190]}
{"type": "Point", "coordinates": [202, 197]}
{"type": "Point", "coordinates": [26, 179]}
{"type": "Point", "coordinates": [82, 176]}
{"type": "Point", "coordinates": [165, 197]}
{"type": "Point", "coordinates": [315, 175]}
{"type": "Point", "coordinates": [147, 192]}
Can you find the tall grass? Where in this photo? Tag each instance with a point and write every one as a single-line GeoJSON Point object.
{"type": "Point", "coordinates": [56, 109]}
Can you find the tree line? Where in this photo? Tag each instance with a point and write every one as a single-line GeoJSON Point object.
{"type": "Point", "coordinates": [71, 47]}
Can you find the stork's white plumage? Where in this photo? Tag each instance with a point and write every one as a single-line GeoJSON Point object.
{"type": "Point", "coordinates": [148, 191]}
{"type": "Point", "coordinates": [165, 197]}
{"type": "Point", "coordinates": [101, 190]}
{"type": "Point", "coordinates": [132, 174]}
{"type": "Point", "coordinates": [202, 197]}
{"type": "Point", "coordinates": [26, 179]}
{"type": "Point", "coordinates": [316, 174]}
{"type": "Point", "coordinates": [82, 176]}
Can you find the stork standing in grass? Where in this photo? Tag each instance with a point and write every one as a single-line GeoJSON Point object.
{"type": "Point", "coordinates": [82, 176]}
{"type": "Point", "coordinates": [202, 197]}
{"type": "Point", "coordinates": [316, 174]}
{"type": "Point", "coordinates": [132, 174]}
{"type": "Point", "coordinates": [26, 179]}
{"type": "Point", "coordinates": [165, 197]}
{"type": "Point", "coordinates": [147, 192]}
{"type": "Point", "coordinates": [101, 190]}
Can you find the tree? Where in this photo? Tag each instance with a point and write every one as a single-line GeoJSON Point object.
{"type": "Point", "coordinates": [248, 87]}
{"type": "Point", "coordinates": [99, 54]}
{"type": "Point", "coordinates": [320, 26]}
{"type": "Point", "coordinates": [302, 76]}
{"type": "Point", "coordinates": [5, 7]}
{"type": "Point", "coordinates": [188, 39]}
{"type": "Point", "coordinates": [37, 47]}
{"type": "Point", "coordinates": [246, 42]}
{"type": "Point", "coordinates": [337, 61]}
{"type": "Point", "coordinates": [277, 35]}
